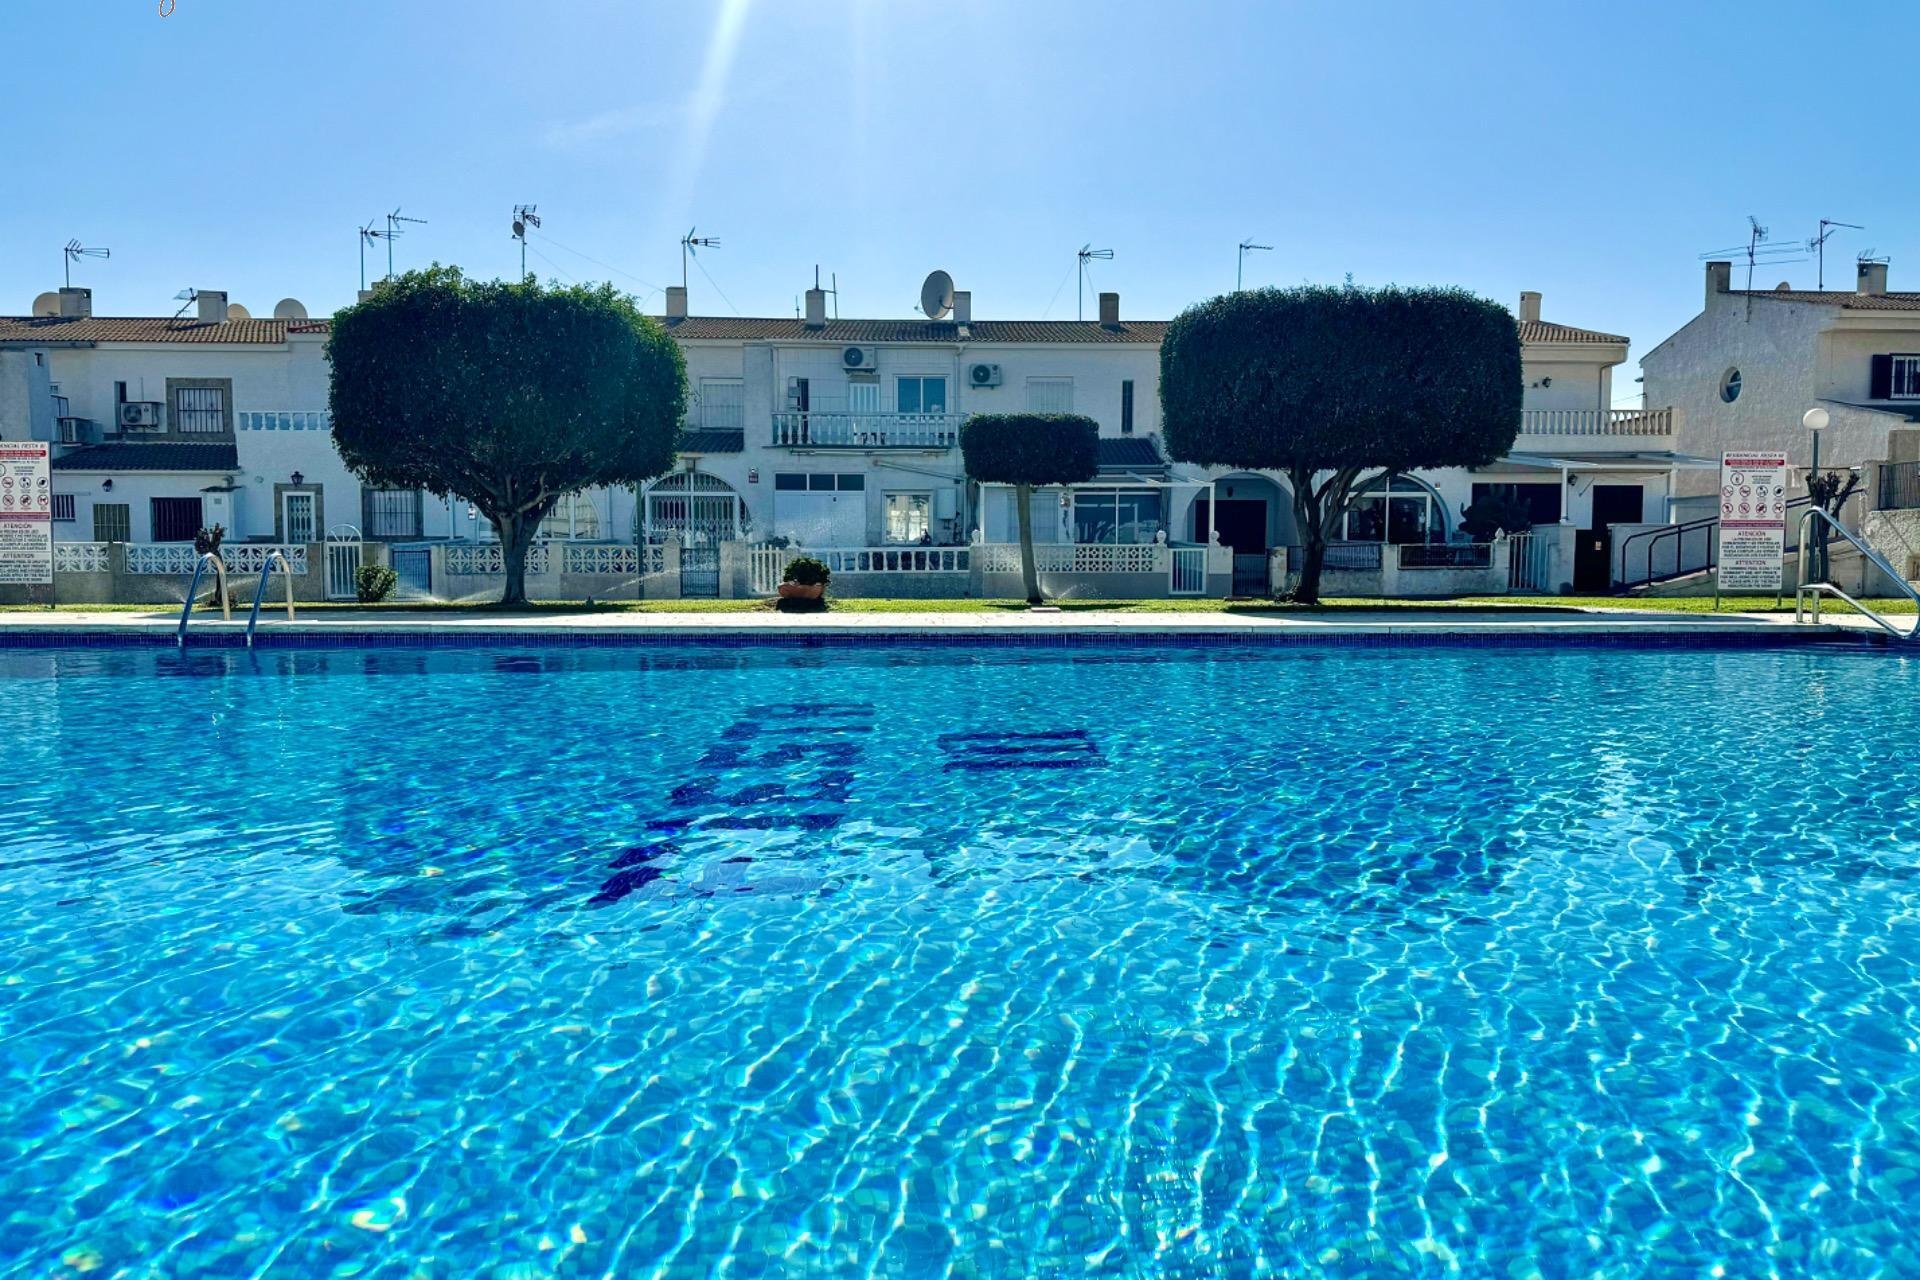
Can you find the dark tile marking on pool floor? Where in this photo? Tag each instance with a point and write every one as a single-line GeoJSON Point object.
{"type": "Point", "coordinates": [1046, 749]}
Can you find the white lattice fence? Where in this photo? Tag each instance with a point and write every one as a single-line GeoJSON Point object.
{"type": "Point", "coordinates": [179, 558]}
{"type": "Point", "coordinates": [611, 558]}
{"type": "Point", "coordinates": [80, 557]}
{"type": "Point", "coordinates": [479, 559]}
{"type": "Point", "coordinates": [1079, 557]}
{"type": "Point", "coordinates": [250, 557]}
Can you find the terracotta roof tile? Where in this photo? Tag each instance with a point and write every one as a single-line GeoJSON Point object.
{"type": "Point", "coordinates": [1542, 331]}
{"type": "Point", "coordinates": [1838, 297]}
{"type": "Point", "coordinates": [748, 328]}
{"type": "Point", "coordinates": [151, 329]}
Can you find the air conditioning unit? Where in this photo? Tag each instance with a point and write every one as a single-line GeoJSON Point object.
{"type": "Point", "coordinates": [76, 431]}
{"type": "Point", "coordinates": [865, 359]}
{"type": "Point", "coordinates": [140, 415]}
{"type": "Point", "coordinates": [983, 375]}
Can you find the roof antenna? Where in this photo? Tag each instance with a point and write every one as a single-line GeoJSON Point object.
{"type": "Point", "coordinates": [1088, 254]}
{"type": "Point", "coordinates": [186, 298]}
{"type": "Point", "coordinates": [524, 217]}
{"type": "Point", "coordinates": [688, 244]}
{"type": "Point", "coordinates": [1819, 243]}
{"type": "Point", "coordinates": [369, 236]}
{"type": "Point", "coordinates": [1758, 250]}
{"type": "Point", "coordinates": [394, 232]}
{"type": "Point", "coordinates": [75, 251]}
{"type": "Point", "coordinates": [1245, 245]}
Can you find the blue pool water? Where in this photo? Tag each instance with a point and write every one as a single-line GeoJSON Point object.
{"type": "Point", "coordinates": [1155, 962]}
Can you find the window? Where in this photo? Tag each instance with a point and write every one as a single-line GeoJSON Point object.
{"type": "Point", "coordinates": [574, 516]}
{"type": "Point", "coordinates": [907, 517]}
{"type": "Point", "coordinates": [1542, 501]}
{"type": "Point", "coordinates": [1730, 385]}
{"type": "Point", "coordinates": [1049, 395]}
{"type": "Point", "coordinates": [1906, 378]}
{"type": "Point", "coordinates": [390, 513]}
{"type": "Point", "coordinates": [1120, 515]}
{"type": "Point", "coordinates": [119, 393]}
{"type": "Point", "coordinates": [789, 480]}
{"type": "Point", "coordinates": [819, 481]}
{"type": "Point", "coordinates": [175, 519]}
{"type": "Point", "coordinates": [199, 410]}
{"type": "Point", "coordinates": [1398, 511]}
{"type": "Point", "coordinates": [112, 522]}
{"type": "Point", "coordinates": [921, 395]}
{"type": "Point", "coordinates": [722, 404]}
{"type": "Point", "coordinates": [63, 507]}
{"type": "Point", "coordinates": [1126, 407]}
{"type": "Point", "coordinates": [296, 516]}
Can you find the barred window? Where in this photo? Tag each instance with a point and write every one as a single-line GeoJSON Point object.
{"type": "Point", "coordinates": [63, 506]}
{"type": "Point", "coordinates": [199, 409]}
{"type": "Point", "coordinates": [112, 522]}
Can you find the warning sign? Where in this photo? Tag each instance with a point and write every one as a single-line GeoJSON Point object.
{"type": "Point", "coordinates": [26, 515]}
{"type": "Point", "coordinates": [1753, 520]}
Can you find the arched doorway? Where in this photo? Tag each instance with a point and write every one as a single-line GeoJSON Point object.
{"type": "Point", "coordinates": [1396, 509]}
{"type": "Point", "coordinates": [697, 508]}
{"type": "Point", "coordinates": [1252, 514]}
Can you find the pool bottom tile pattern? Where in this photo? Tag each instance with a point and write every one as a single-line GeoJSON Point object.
{"type": "Point", "coordinates": [1362, 963]}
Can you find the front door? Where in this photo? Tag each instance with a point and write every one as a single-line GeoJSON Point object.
{"type": "Point", "coordinates": [1242, 525]}
{"type": "Point", "coordinates": [296, 517]}
{"type": "Point", "coordinates": [1593, 551]}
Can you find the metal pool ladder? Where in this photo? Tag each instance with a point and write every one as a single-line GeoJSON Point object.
{"type": "Point", "coordinates": [193, 590]}
{"type": "Point", "coordinates": [1805, 592]}
{"type": "Point", "coordinates": [266, 571]}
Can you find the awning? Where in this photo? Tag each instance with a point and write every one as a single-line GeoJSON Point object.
{"type": "Point", "coordinates": [1612, 460]}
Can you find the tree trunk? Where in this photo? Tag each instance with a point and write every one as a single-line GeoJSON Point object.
{"type": "Point", "coordinates": [516, 535]}
{"type": "Point", "coordinates": [1023, 495]}
{"type": "Point", "coordinates": [1313, 556]}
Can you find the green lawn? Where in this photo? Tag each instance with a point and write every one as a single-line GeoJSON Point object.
{"type": "Point", "coordinates": [1519, 604]}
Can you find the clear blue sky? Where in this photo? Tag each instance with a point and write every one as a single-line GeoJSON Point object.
{"type": "Point", "coordinates": [1589, 153]}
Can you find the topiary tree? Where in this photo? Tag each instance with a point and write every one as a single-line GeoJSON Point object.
{"type": "Point", "coordinates": [509, 395]}
{"type": "Point", "coordinates": [1025, 450]}
{"type": "Point", "coordinates": [1337, 389]}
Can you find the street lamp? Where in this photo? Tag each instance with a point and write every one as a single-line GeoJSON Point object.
{"type": "Point", "coordinates": [1815, 420]}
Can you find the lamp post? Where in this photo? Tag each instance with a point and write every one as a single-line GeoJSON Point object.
{"type": "Point", "coordinates": [1815, 421]}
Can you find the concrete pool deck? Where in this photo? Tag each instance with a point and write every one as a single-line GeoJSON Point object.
{"type": "Point", "coordinates": [343, 625]}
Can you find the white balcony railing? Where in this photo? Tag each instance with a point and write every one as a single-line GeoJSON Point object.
{"type": "Point", "coordinates": [833, 430]}
{"type": "Point", "coordinates": [1596, 422]}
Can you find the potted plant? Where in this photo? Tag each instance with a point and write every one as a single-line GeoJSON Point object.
{"type": "Point", "coordinates": [805, 579]}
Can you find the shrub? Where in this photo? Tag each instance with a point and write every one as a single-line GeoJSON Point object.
{"type": "Point", "coordinates": [374, 582]}
{"type": "Point", "coordinates": [1495, 513]}
{"type": "Point", "coordinates": [805, 571]}
{"type": "Point", "coordinates": [205, 539]}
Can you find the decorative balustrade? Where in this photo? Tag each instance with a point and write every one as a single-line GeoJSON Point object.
{"type": "Point", "coordinates": [614, 559]}
{"type": "Point", "coordinates": [179, 558]}
{"type": "Point", "coordinates": [835, 430]}
{"type": "Point", "coordinates": [81, 557]}
{"type": "Point", "coordinates": [479, 559]}
{"type": "Point", "coordinates": [296, 420]}
{"type": "Point", "coordinates": [894, 559]}
{"type": "Point", "coordinates": [1077, 557]}
{"type": "Point", "coordinates": [1596, 422]}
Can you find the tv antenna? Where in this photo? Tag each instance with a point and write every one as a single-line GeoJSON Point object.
{"type": "Point", "coordinates": [1245, 247]}
{"type": "Point", "coordinates": [1819, 243]}
{"type": "Point", "coordinates": [689, 243]}
{"type": "Point", "coordinates": [524, 217]}
{"type": "Point", "coordinates": [74, 251]}
{"type": "Point", "coordinates": [1758, 250]}
{"type": "Point", "coordinates": [369, 235]}
{"type": "Point", "coordinates": [393, 233]}
{"type": "Point", "coordinates": [1088, 254]}
{"type": "Point", "coordinates": [186, 298]}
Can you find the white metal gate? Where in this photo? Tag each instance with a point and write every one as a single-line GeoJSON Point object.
{"type": "Point", "coordinates": [693, 506]}
{"type": "Point", "coordinates": [344, 554]}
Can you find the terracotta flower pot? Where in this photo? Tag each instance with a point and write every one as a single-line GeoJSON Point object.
{"type": "Point", "coordinates": [798, 591]}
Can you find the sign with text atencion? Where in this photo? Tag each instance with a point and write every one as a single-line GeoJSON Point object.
{"type": "Point", "coordinates": [26, 514]}
{"type": "Point", "coordinates": [1753, 520]}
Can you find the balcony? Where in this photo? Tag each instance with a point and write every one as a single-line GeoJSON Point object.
{"type": "Point", "coordinates": [1595, 423]}
{"type": "Point", "coordinates": [812, 429]}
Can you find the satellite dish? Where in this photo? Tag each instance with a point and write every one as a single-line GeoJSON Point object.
{"type": "Point", "coordinates": [289, 309]}
{"type": "Point", "coordinates": [47, 304]}
{"type": "Point", "coordinates": [237, 312]}
{"type": "Point", "coordinates": [1785, 286]}
{"type": "Point", "coordinates": [936, 295]}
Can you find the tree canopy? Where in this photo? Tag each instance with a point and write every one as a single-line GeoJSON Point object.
{"type": "Point", "coordinates": [1030, 448]}
{"type": "Point", "coordinates": [507, 394]}
{"type": "Point", "coordinates": [1329, 384]}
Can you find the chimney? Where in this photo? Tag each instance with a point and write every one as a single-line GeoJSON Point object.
{"type": "Point", "coordinates": [816, 308]}
{"type": "Point", "coordinates": [1109, 311]}
{"type": "Point", "coordinates": [1719, 279]}
{"type": "Point", "coordinates": [76, 303]}
{"type": "Point", "coordinates": [1529, 307]}
{"type": "Point", "coordinates": [676, 303]}
{"type": "Point", "coordinates": [963, 306]}
{"type": "Point", "coordinates": [1873, 278]}
{"type": "Point", "coordinates": [213, 305]}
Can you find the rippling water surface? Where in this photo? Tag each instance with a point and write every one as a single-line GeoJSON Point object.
{"type": "Point", "coordinates": [1416, 962]}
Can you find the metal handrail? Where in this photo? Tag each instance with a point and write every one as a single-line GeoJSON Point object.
{"type": "Point", "coordinates": [1679, 533]}
{"type": "Point", "coordinates": [193, 590]}
{"type": "Point", "coordinates": [1803, 590]}
{"type": "Point", "coordinates": [266, 571]}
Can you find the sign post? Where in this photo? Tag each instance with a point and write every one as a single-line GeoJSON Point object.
{"type": "Point", "coordinates": [26, 516]}
{"type": "Point", "coordinates": [1753, 523]}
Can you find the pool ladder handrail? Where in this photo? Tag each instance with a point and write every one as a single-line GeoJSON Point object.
{"type": "Point", "coordinates": [260, 591]}
{"type": "Point", "coordinates": [1805, 591]}
{"type": "Point", "coordinates": [193, 590]}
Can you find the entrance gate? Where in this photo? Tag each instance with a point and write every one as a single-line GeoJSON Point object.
{"type": "Point", "coordinates": [344, 554]}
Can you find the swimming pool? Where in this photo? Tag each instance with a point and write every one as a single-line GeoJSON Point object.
{"type": "Point", "coordinates": [907, 962]}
